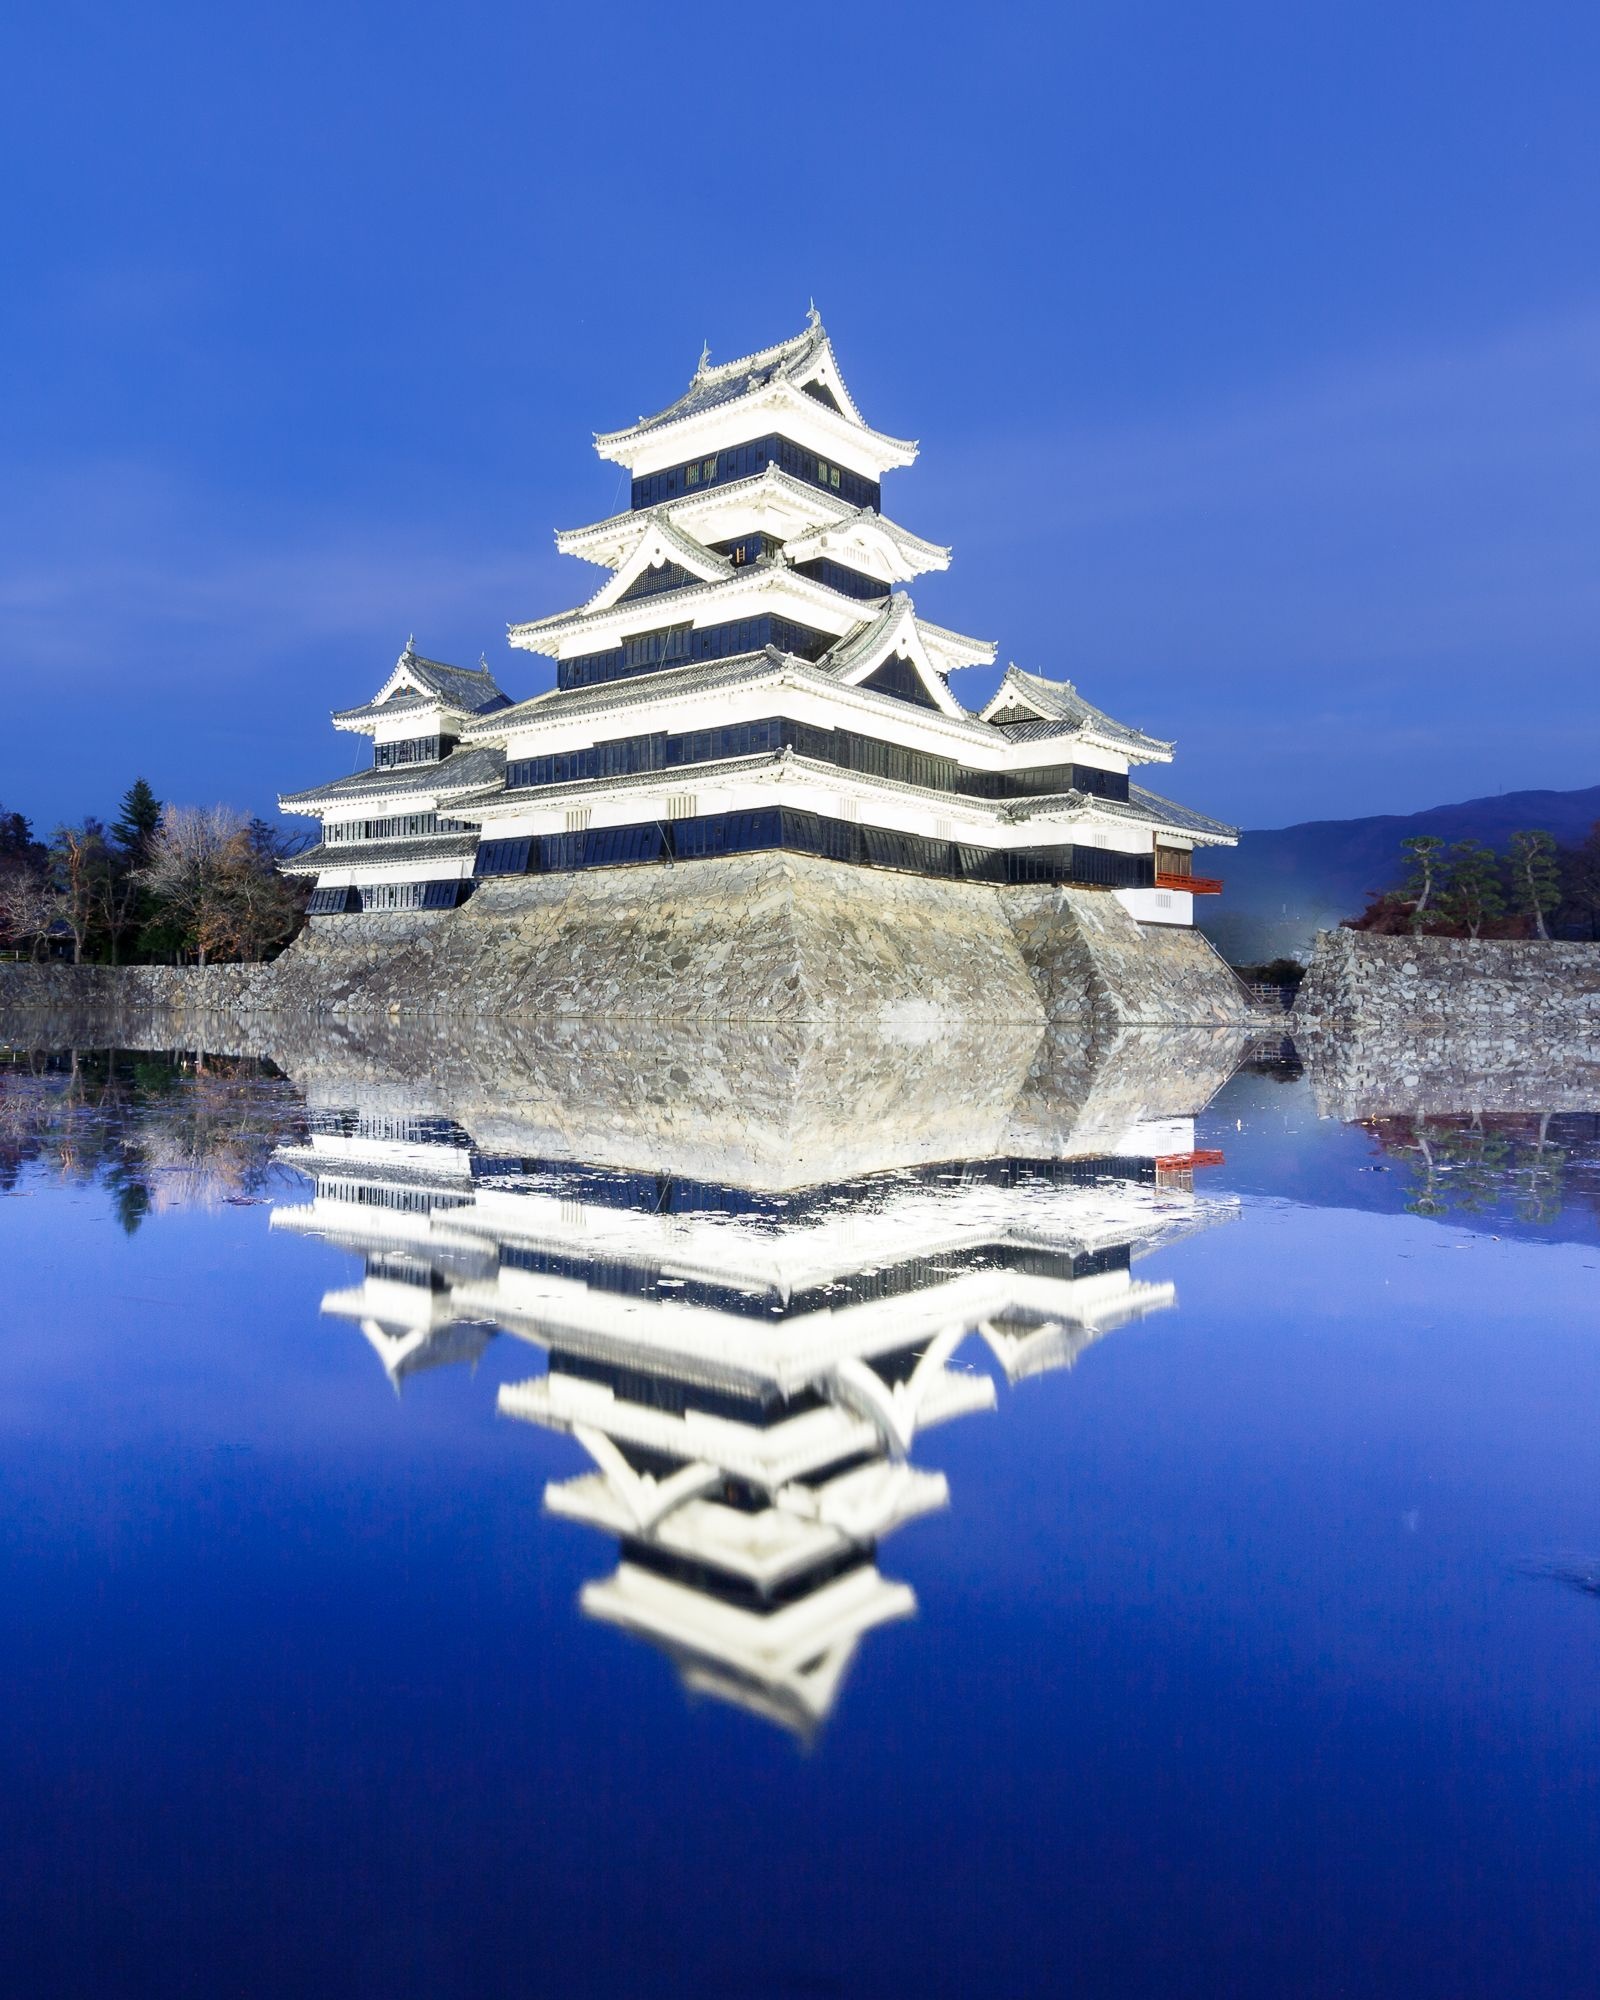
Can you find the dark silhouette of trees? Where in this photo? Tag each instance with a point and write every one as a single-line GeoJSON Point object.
{"type": "Point", "coordinates": [160, 883]}
{"type": "Point", "coordinates": [1579, 871]}
{"type": "Point", "coordinates": [1467, 890]}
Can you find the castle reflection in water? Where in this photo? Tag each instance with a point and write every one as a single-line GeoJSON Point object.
{"type": "Point", "coordinates": [748, 1367]}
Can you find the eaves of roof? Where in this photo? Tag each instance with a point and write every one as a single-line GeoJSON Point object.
{"type": "Point", "coordinates": [462, 771]}
{"type": "Point", "coordinates": [1146, 808]}
{"type": "Point", "coordinates": [349, 854]}
{"type": "Point", "coordinates": [823, 595]}
{"type": "Point", "coordinates": [705, 395]}
{"type": "Point", "coordinates": [841, 511]}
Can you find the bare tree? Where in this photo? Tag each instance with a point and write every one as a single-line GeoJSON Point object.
{"type": "Point", "coordinates": [191, 854]}
{"type": "Point", "coordinates": [80, 862]}
{"type": "Point", "coordinates": [215, 874]}
{"type": "Point", "coordinates": [29, 906]}
{"type": "Point", "coordinates": [264, 908]}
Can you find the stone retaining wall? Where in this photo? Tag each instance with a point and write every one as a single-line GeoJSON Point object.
{"type": "Point", "coordinates": [757, 938]}
{"type": "Point", "coordinates": [1449, 1023]}
{"type": "Point", "coordinates": [1500, 991]}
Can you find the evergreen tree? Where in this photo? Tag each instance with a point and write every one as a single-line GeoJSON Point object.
{"type": "Point", "coordinates": [1535, 878]}
{"type": "Point", "coordinates": [1580, 884]}
{"type": "Point", "coordinates": [1472, 895]}
{"type": "Point", "coordinates": [1422, 880]}
{"type": "Point", "coordinates": [16, 838]}
{"type": "Point", "coordinates": [140, 816]}
{"type": "Point", "coordinates": [130, 908]}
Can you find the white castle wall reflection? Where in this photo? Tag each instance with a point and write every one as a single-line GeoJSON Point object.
{"type": "Point", "coordinates": [748, 1373]}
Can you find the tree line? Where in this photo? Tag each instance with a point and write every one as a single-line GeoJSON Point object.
{"type": "Point", "coordinates": [1465, 888]}
{"type": "Point", "coordinates": [162, 884]}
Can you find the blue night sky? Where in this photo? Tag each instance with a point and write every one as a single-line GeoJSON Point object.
{"type": "Point", "coordinates": [1254, 351]}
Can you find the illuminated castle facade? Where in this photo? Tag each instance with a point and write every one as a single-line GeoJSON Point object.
{"type": "Point", "coordinates": [750, 675]}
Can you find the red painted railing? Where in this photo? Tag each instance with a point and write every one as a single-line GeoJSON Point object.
{"type": "Point", "coordinates": [1205, 1156]}
{"type": "Point", "coordinates": [1197, 885]}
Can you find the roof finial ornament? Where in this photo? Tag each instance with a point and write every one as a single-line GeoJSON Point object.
{"type": "Point", "coordinates": [813, 317]}
{"type": "Point", "coordinates": [705, 359]}
{"type": "Point", "coordinates": [483, 663]}
{"type": "Point", "coordinates": [411, 642]}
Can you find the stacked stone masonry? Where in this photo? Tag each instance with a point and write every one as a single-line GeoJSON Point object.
{"type": "Point", "coordinates": [1450, 1024]}
{"type": "Point", "coordinates": [760, 938]}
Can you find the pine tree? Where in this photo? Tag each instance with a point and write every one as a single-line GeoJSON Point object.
{"type": "Point", "coordinates": [1535, 878]}
{"type": "Point", "coordinates": [16, 838]}
{"type": "Point", "coordinates": [140, 816]}
{"type": "Point", "coordinates": [1425, 850]}
{"type": "Point", "coordinates": [1472, 894]}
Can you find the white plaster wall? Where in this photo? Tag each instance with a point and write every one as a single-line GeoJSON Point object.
{"type": "Point", "coordinates": [1158, 906]}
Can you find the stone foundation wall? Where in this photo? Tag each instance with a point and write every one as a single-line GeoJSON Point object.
{"type": "Point", "coordinates": [1089, 960]}
{"type": "Point", "coordinates": [1498, 991]}
{"type": "Point", "coordinates": [1449, 1024]}
{"type": "Point", "coordinates": [758, 938]}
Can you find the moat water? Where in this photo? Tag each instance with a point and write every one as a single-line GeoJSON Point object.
{"type": "Point", "coordinates": [1164, 1562]}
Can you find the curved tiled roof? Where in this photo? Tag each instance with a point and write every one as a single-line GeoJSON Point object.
{"type": "Point", "coordinates": [863, 642]}
{"type": "Point", "coordinates": [358, 854]}
{"type": "Point", "coordinates": [1146, 807]}
{"type": "Point", "coordinates": [479, 766]}
{"type": "Point", "coordinates": [842, 515]}
{"type": "Point", "coordinates": [466, 690]}
{"type": "Point", "coordinates": [651, 520]}
{"type": "Point", "coordinates": [726, 382]}
{"type": "Point", "coordinates": [1058, 709]}
{"type": "Point", "coordinates": [1182, 819]}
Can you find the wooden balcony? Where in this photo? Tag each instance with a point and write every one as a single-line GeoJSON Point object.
{"type": "Point", "coordinates": [1196, 885]}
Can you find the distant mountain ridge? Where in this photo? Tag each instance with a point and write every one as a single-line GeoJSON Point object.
{"type": "Point", "coordinates": [1283, 884]}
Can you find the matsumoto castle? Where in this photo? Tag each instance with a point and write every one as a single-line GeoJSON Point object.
{"type": "Point", "coordinates": [751, 674]}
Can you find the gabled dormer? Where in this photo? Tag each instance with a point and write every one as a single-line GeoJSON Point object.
{"type": "Point", "coordinates": [419, 684]}
{"type": "Point", "coordinates": [864, 541]}
{"type": "Point", "coordinates": [892, 655]}
{"type": "Point", "coordinates": [663, 558]}
{"type": "Point", "coordinates": [1044, 707]}
{"type": "Point", "coordinates": [420, 711]}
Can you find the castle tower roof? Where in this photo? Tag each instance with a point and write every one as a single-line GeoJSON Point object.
{"type": "Point", "coordinates": [767, 383]}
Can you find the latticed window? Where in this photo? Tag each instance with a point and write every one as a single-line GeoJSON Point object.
{"type": "Point", "coordinates": [401, 826]}
{"type": "Point", "coordinates": [379, 897]}
{"type": "Point", "coordinates": [414, 750]}
{"type": "Point", "coordinates": [625, 755]}
{"type": "Point", "coordinates": [840, 839]}
{"type": "Point", "coordinates": [676, 645]}
{"type": "Point", "coordinates": [840, 577]}
{"type": "Point", "coordinates": [745, 461]}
